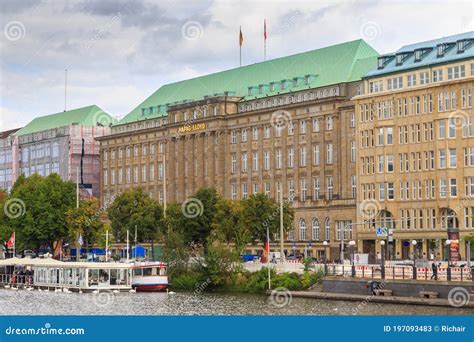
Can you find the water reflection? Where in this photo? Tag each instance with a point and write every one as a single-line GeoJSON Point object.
{"type": "Point", "coordinates": [50, 303]}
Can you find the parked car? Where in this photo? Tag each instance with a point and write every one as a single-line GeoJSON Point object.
{"type": "Point", "coordinates": [28, 253]}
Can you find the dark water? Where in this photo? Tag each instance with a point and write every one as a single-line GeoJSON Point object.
{"type": "Point", "coordinates": [23, 302]}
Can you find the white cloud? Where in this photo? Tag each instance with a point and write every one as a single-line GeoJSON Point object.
{"type": "Point", "coordinates": [119, 52]}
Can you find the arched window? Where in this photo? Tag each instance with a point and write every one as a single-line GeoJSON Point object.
{"type": "Point", "coordinates": [327, 225]}
{"type": "Point", "coordinates": [302, 230]}
{"type": "Point", "coordinates": [315, 231]}
{"type": "Point", "coordinates": [448, 219]}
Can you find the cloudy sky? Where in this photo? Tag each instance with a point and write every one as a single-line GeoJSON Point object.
{"type": "Point", "coordinates": [118, 52]}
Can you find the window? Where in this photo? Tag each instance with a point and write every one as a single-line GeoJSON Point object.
{"type": "Point", "coordinates": [233, 136]}
{"type": "Point", "coordinates": [255, 161]}
{"type": "Point", "coordinates": [380, 163]}
{"type": "Point", "coordinates": [327, 225]}
{"type": "Point", "coordinates": [329, 153]}
{"type": "Point", "coordinates": [316, 154]}
{"type": "Point", "coordinates": [266, 132]}
{"type": "Point", "coordinates": [382, 191]}
{"type": "Point", "coordinates": [390, 163]}
{"type": "Point", "coordinates": [266, 160]}
{"type": "Point", "coordinates": [255, 133]}
{"type": "Point", "coordinates": [291, 155]}
{"type": "Point", "coordinates": [303, 156]}
{"type": "Point", "coordinates": [469, 156]}
{"type": "Point", "coordinates": [456, 72]}
{"type": "Point", "coordinates": [55, 150]}
{"type": "Point", "coordinates": [233, 191]}
{"type": "Point", "coordinates": [380, 136]}
{"type": "Point", "coordinates": [244, 135]}
{"type": "Point", "coordinates": [315, 125]}
{"type": "Point", "coordinates": [244, 190]}
{"type": "Point", "coordinates": [233, 166]}
{"type": "Point", "coordinates": [442, 187]}
{"type": "Point", "coordinates": [442, 158]}
{"type": "Point", "coordinates": [452, 157]}
{"type": "Point", "coordinates": [390, 191]}
{"type": "Point", "coordinates": [424, 77]}
{"type": "Point", "coordinates": [352, 120]}
{"type": "Point", "coordinates": [244, 162]}
{"type": "Point", "coordinates": [278, 160]}
{"type": "Point", "coordinates": [143, 173]}
{"type": "Point", "coordinates": [329, 123]}
{"type": "Point", "coordinates": [452, 128]}
{"type": "Point", "coordinates": [316, 188]}
{"type": "Point", "coordinates": [135, 174]}
{"type": "Point", "coordinates": [315, 230]}
{"type": "Point", "coordinates": [389, 135]}
{"type": "Point", "coordinates": [441, 129]}
{"type": "Point", "coordinates": [353, 186]}
{"type": "Point", "coordinates": [303, 190]}
{"type": "Point", "coordinates": [411, 80]}
{"type": "Point", "coordinates": [453, 191]}
{"type": "Point", "coordinates": [437, 75]}
{"type": "Point", "coordinates": [330, 187]}
{"type": "Point", "coordinates": [302, 126]}
{"type": "Point", "coordinates": [302, 230]}
{"type": "Point", "coordinates": [353, 151]}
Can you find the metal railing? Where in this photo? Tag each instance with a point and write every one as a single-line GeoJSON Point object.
{"type": "Point", "coordinates": [400, 272]}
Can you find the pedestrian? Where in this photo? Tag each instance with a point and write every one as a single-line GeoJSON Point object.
{"type": "Point", "coordinates": [434, 267]}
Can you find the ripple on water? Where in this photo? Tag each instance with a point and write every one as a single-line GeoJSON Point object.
{"type": "Point", "coordinates": [51, 303]}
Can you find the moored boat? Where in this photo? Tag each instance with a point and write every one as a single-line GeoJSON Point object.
{"type": "Point", "coordinates": [149, 277]}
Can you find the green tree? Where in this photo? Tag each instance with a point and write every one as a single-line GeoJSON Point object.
{"type": "Point", "coordinates": [261, 212]}
{"type": "Point", "coordinates": [85, 221]}
{"type": "Point", "coordinates": [229, 226]}
{"type": "Point", "coordinates": [134, 209]}
{"type": "Point", "coordinates": [42, 203]}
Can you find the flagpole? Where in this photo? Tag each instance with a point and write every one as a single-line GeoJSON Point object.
{"type": "Point", "coordinates": [14, 243]}
{"type": "Point", "coordinates": [265, 40]}
{"type": "Point", "coordinates": [268, 258]}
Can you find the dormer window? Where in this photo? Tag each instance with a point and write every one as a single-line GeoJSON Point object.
{"type": "Point", "coordinates": [461, 44]}
{"type": "Point", "coordinates": [272, 87]}
{"type": "Point", "coordinates": [295, 82]}
{"type": "Point", "coordinates": [380, 63]}
{"type": "Point", "coordinates": [440, 50]}
{"type": "Point", "coordinates": [417, 55]}
{"type": "Point", "coordinates": [260, 89]}
{"type": "Point", "coordinates": [399, 59]}
{"type": "Point", "coordinates": [282, 85]}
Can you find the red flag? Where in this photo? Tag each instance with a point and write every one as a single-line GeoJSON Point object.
{"type": "Point", "coordinates": [11, 242]}
{"type": "Point", "coordinates": [265, 29]}
{"type": "Point", "coordinates": [267, 246]}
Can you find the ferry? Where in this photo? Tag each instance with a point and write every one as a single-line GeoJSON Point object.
{"type": "Point", "coordinates": [82, 276]}
{"type": "Point", "coordinates": [149, 277]}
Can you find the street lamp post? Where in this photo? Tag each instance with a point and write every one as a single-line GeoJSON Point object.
{"type": "Point", "coordinates": [382, 259]}
{"type": "Point", "coordinates": [325, 243]}
{"type": "Point", "coordinates": [414, 243]}
{"type": "Point", "coordinates": [352, 244]}
{"type": "Point", "coordinates": [448, 271]}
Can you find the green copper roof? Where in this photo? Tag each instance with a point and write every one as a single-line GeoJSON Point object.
{"type": "Point", "coordinates": [87, 116]}
{"type": "Point", "coordinates": [335, 64]}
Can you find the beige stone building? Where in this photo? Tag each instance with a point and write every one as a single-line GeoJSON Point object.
{"type": "Point", "coordinates": [415, 150]}
{"type": "Point", "coordinates": [287, 124]}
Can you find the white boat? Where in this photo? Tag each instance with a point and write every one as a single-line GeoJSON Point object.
{"type": "Point", "coordinates": [149, 277]}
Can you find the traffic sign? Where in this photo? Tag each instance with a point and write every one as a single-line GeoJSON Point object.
{"type": "Point", "coordinates": [381, 231]}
